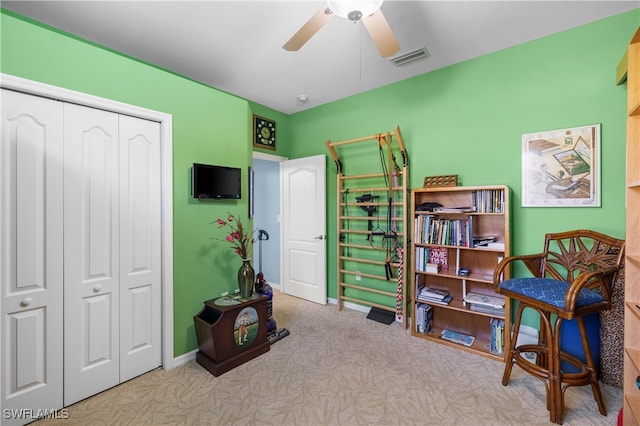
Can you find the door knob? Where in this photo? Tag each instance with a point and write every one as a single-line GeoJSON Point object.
{"type": "Point", "coordinates": [319, 237]}
{"type": "Point", "coordinates": [97, 288]}
{"type": "Point", "coordinates": [26, 301]}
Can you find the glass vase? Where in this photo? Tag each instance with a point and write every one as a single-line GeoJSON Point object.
{"type": "Point", "coordinates": [246, 277]}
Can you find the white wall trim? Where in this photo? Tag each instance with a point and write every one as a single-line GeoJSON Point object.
{"type": "Point", "coordinates": [19, 84]}
{"type": "Point", "coordinates": [185, 358]}
{"type": "Point", "coordinates": [268, 157]}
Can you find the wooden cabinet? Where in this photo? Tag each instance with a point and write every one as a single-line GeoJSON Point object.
{"type": "Point", "coordinates": [456, 223]}
{"type": "Point", "coordinates": [231, 331]}
{"type": "Point", "coordinates": [631, 408]}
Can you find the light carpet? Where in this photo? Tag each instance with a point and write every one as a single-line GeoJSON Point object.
{"type": "Point", "coordinates": [339, 368]}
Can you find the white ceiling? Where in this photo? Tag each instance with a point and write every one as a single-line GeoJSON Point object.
{"type": "Point", "coordinates": [236, 46]}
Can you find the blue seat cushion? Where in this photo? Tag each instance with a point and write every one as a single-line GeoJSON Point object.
{"type": "Point", "coordinates": [549, 291]}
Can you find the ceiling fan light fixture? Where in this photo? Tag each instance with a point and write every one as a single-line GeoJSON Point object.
{"type": "Point", "coordinates": [354, 10]}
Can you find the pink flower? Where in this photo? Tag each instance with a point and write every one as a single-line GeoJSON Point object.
{"type": "Point", "coordinates": [237, 238]}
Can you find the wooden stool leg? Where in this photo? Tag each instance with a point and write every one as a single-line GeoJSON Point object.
{"type": "Point", "coordinates": [595, 386]}
{"type": "Point", "coordinates": [510, 354]}
{"type": "Point", "coordinates": [556, 411]}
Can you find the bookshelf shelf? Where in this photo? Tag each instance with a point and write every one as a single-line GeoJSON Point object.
{"type": "Point", "coordinates": [631, 409]}
{"type": "Point", "coordinates": [447, 233]}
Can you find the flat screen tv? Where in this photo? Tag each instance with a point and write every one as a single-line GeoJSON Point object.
{"type": "Point", "coordinates": [215, 181]}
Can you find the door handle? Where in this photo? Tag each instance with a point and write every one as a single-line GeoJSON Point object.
{"type": "Point", "coordinates": [26, 301]}
{"type": "Point", "coordinates": [319, 237]}
{"type": "Point", "coordinates": [97, 288]}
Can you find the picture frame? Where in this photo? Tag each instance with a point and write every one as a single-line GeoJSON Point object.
{"type": "Point", "coordinates": [561, 168]}
{"type": "Point", "coordinates": [264, 133]}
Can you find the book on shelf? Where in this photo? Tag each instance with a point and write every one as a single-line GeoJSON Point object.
{"type": "Point", "coordinates": [439, 256]}
{"type": "Point", "coordinates": [431, 259]}
{"type": "Point", "coordinates": [424, 318]}
{"type": "Point", "coordinates": [496, 302]}
{"type": "Point", "coordinates": [445, 301]}
{"type": "Point", "coordinates": [454, 336]}
{"type": "Point", "coordinates": [432, 267]}
{"type": "Point", "coordinates": [499, 312]}
{"type": "Point", "coordinates": [496, 245]}
{"type": "Point", "coordinates": [453, 209]}
{"type": "Point", "coordinates": [497, 335]}
{"type": "Point", "coordinates": [483, 240]}
{"type": "Point", "coordinates": [488, 201]}
{"type": "Point", "coordinates": [433, 293]}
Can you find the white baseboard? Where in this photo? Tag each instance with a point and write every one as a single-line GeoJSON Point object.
{"type": "Point", "coordinates": [185, 358]}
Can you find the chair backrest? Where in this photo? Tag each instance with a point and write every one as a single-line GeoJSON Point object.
{"type": "Point", "coordinates": [567, 254]}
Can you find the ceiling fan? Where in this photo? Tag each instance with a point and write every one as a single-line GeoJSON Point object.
{"type": "Point", "coordinates": [367, 11]}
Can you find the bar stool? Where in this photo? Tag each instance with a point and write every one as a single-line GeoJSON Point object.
{"type": "Point", "coordinates": [572, 278]}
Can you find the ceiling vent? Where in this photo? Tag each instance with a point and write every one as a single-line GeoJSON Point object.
{"type": "Point", "coordinates": [410, 57]}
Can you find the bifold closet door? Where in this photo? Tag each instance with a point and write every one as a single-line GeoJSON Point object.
{"type": "Point", "coordinates": [80, 228]}
{"type": "Point", "coordinates": [140, 254]}
{"type": "Point", "coordinates": [91, 252]}
{"type": "Point", "coordinates": [112, 250]}
{"type": "Point", "coordinates": [31, 252]}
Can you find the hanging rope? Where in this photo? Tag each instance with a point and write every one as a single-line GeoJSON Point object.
{"type": "Point", "coordinates": [399, 296]}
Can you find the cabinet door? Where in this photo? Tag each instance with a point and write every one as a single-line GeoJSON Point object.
{"type": "Point", "coordinates": [31, 273]}
{"type": "Point", "coordinates": [91, 226]}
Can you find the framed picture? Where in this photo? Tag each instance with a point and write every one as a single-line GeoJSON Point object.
{"type": "Point", "coordinates": [264, 132]}
{"type": "Point", "coordinates": [561, 168]}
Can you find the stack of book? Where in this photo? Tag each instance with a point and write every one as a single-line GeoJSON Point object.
{"type": "Point", "coordinates": [497, 335]}
{"type": "Point", "coordinates": [424, 318]}
{"type": "Point", "coordinates": [488, 304]}
{"type": "Point", "coordinates": [432, 267]}
{"type": "Point", "coordinates": [434, 295]}
{"type": "Point", "coordinates": [483, 240]}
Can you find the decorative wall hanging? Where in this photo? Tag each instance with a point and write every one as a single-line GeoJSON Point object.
{"type": "Point", "coordinates": [561, 168]}
{"type": "Point", "coordinates": [264, 132]}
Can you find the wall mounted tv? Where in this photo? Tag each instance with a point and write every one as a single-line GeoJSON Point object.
{"type": "Point", "coordinates": [215, 181]}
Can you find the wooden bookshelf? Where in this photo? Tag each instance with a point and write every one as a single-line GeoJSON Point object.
{"type": "Point", "coordinates": [631, 410]}
{"type": "Point", "coordinates": [486, 208]}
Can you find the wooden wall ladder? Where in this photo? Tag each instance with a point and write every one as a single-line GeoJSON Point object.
{"type": "Point", "coordinates": [372, 261]}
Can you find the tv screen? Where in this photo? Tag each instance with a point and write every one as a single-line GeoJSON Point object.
{"type": "Point", "coordinates": [216, 181]}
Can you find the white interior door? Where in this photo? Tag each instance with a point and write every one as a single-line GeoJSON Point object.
{"type": "Point", "coordinates": [304, 261]}
{"type": "Point", "coordinates": [91, 261]}
{"type": "Point", "coordinates": [31, 274]}
{"type": "Point", "coordinates": [140, 256]}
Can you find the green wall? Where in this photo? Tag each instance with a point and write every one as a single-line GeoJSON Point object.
{"type": "Point", "coordinates": [465, 119]}
{"type": "Point", "coordinates": [209, 126]}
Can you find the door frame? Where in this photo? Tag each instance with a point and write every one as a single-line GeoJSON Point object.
{"type": "Point", "coordinates": [31, 87]}
{"type": "Point", "coordinates": [256, 155]}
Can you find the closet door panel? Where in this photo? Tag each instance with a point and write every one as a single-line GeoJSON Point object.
{"type": "Point", "coordinates": [31, 242]}
{"type": "Point", "coordinates": [91, 264]}
{"type": "Point", "coordinates": [140, 247]}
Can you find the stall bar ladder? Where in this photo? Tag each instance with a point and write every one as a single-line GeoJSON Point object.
{"type": "Point", "coordinates": [383, 183]}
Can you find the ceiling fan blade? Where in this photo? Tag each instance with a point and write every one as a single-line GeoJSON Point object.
{"type": "Point", "coordinates": [309, 29]}
{"type": "Point", "coordinates": [380, 31]}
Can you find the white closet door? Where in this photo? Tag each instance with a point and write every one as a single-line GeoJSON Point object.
{"type": "Point", "coordinates": [91, 259]}
{"type": "Point", "coordinates": [31, 275]}
{"type": "Point", "coordinates": [140, 254]}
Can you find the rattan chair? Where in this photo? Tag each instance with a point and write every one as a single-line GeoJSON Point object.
{"type": "Point", "coordinates": [572, 278]}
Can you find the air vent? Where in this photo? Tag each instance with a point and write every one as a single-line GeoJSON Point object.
{"type": "Point", "coordinates": [410, 57]}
